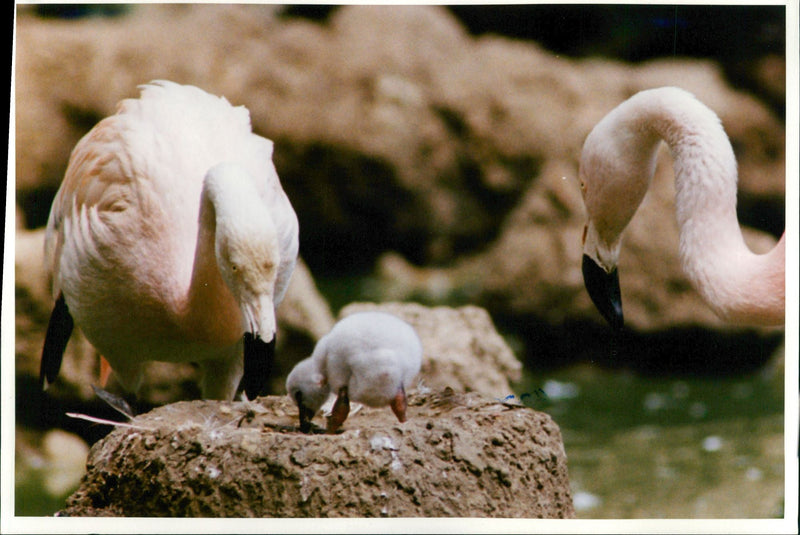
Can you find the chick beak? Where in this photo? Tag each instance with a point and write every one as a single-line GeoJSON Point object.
{"type": "Point", "coordinates": [258, 358]}
{"type": "Point", "coordinates": [604, 290]}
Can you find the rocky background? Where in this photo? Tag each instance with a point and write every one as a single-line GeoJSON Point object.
{"type": "Point", "coordinates": [431, 156]}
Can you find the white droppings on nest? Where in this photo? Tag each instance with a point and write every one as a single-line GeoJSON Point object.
{"type": "Point", "coordinates": [422, 389]}
{"type": "Point", "coordinates": [131, 436]}
{"type": "Point", "coordinates": [190, 425]}
{"type": "Point", "coordinates": [396, 464]}
{"type": "Point", "coordinates": [379, 443]}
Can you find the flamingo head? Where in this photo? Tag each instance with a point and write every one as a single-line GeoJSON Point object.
{"type": "Point", "coordinates": [616, 166]}
{"type": "Point", "coordinates": [248, 256]}
{"type": "Point", "coordinates": [309, 389]}
{"type": "Point", "coordinates": [600, 275]}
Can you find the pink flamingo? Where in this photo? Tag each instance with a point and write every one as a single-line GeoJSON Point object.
{"type": "Point", "coordinates": [616, 168]}
{"type": "Point", "coordinates": [171, 239]}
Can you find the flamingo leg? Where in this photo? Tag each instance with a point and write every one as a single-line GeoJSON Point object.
{"type": "Point", "coordinates": [341, 408]}
{"type": "Point", "coordinates": [399, 404]}
{"type": "Point", "coordinates": [105, 372]}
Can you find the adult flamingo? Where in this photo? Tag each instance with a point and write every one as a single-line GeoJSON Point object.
{"type": "Point", "coordinates": [171, 239]}
{"type": "Point", "coordinates": [616, 168]}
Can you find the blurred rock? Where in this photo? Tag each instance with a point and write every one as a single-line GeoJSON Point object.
{"type": "Point", "coordinates": [458, 455]}
{"type": "Point", "coordinates": [642, 32]}
{"type": "Point", "coordinates": [532, 269]}
{"type": "Point", "coordinates": [458, 154]}
{"type": "Point", "coordinates": [461, 348]}
{"type": "Point", "coordinates": [55, 457]}
{"type": "Point", "coordinates": [66, 455]}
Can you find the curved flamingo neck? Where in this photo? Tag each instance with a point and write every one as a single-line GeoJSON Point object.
{"type": "Point", "coordinates": [211, 311]}
{"type": "Point", "coordinates": [742, 287]}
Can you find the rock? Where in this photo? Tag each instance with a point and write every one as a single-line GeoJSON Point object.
{"type": "Point", "coordinates": [66, 456]}
{"type": "Point", "coordinates": [460, 155]}
{"type": "Point", "coordinates": [458, 455]}
{"type": "Point", "coordinates": [461, 348]}
{"type": "Point", "coordinates": [55, 457]}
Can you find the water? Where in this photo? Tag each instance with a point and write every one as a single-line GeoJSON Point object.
{"type": "Point", "coordinates": [30, 496]}
{"type": "Point", "coordinates": [644, 447]}
{"type": "Point", "coordinates": [604, 402]}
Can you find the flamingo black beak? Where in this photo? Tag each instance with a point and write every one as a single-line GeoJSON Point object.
{"type": "Point", "coordinates": [258, 358]}
{"type": "Point", "coordinates": [603, 288]}
{"type": "Point", "coordinates": [306, 414]}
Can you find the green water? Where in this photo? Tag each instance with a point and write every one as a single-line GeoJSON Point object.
{"type": "Point", "coordinates": [642, 447]}
{"type": "Point", "coordinates": [603, 402]}
{"type": "Point", "coordinates": [30, 496]}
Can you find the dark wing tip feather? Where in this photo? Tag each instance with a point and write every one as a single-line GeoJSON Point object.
{"type": "Point", "coordinates": [59, 329]}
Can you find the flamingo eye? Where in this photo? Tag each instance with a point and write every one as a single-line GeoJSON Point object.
{"type": "Point", "coordinates": [234, 267]}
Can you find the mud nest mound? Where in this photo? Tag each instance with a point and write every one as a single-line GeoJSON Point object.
{"type": "Point", "coordinates": [458, 455]}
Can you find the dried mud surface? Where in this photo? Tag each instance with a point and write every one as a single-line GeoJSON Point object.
{"type": "Point", "coordinates": [459, 455]}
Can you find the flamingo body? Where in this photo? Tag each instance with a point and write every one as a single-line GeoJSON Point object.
{"type": "Point", "coordinates": [616, 168]}
{"type": "Point", "coordinates": [171, 238]}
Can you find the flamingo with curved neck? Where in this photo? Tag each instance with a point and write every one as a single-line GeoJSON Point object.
{"type": "Point", "coordinates": [171, 239]}
{"type": "Point", "coordinates": [616, 168]}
